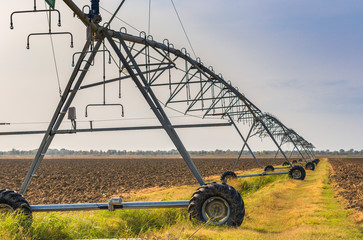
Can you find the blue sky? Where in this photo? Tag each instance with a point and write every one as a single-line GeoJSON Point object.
{"type": "Point", "coordinates": [299, 60]}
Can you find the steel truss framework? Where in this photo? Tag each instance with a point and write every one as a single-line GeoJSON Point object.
{"type": "Point", "coordinates": [266, 125]}
{"type": "Point", "coordinates": [284, 135]}
{"type": "Point", "coordinates": [166, 77]}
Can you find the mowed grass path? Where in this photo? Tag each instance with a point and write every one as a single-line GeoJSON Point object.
{"type": "Point", "coordinates": [276, 208]}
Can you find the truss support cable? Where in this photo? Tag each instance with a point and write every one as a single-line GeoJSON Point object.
{"type": "Point", "coordinates": [121, 20]}
{"type": "Point", "coordinates": [181, 23]}
{"type": "Point", "coordinates": [54, 56]}
{"type": "Point", "coordinates": [114, 14]}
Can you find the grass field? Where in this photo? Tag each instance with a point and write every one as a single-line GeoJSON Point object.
{"type": "Point", "coordinates": [276, 208]}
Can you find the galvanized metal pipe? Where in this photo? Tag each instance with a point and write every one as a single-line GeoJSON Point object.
{"type": "Point", "coordinates": [262, 174]}
{"type": "Point", "coordinates": [104, 206]}
{"type": "Point", "coordinates": [116, 129]}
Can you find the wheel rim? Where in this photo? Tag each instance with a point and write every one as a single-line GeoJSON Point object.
{"type": "Point", "coordinates": [296, 174]}
{"type": "Point", "coordinates": [5, 208]}
{"type": "Point", "coordinates": [216, 210]}
{"type": "Point", "coordinates": [309, 167]}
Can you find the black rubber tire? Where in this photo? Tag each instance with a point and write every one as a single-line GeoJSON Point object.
{"type": "Point", "coordinates": [316, 161]}
{"type": "Point", "coordinates": [297, 173]}
{"type": "Point", "coordinates": [294, 161]}
{"type": "Point", "coordinates": [285, 164]}
{"type": "Point", "coordinates": [269, 168]}
{"type": "Point", "coordinates": [221, 191]}
{"type": "Point", "coordinates": [310, 166]}
{"type": "Point", "coordinates": [300, 160]}
{"type": "Point", "coordinates": [227, 175]}
{"type": "Point", "coordinates": [16, 203]}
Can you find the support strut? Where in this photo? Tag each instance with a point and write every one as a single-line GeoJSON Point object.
{"type": "Point", "coordinates": [153, 102]}
{"type": "Point", "coordinates": [239, 156]}
{"type": "Point", "coordinates": [61, 111]}
{"type": "Point", "coordinates": [245, 142]}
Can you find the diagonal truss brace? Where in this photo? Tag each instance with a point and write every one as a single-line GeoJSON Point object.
{"type": "Point", "coordinates": [244, 141]}
{"type": "Point", "coordinates": [153, 102]}
{"type": "Point", "coordinates": [61, 110]}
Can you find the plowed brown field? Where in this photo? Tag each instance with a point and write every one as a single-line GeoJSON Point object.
{"type": "Point", "coordinates": [72, 180]}
{"type": "Point", "coordinates": [347, 175]}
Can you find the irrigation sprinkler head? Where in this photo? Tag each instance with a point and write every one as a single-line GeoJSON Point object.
{"type": "Point", "coordinates": [11, 26]}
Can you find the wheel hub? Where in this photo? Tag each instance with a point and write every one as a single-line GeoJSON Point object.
{"type": "Point", "coordinates": [309, 167]}
{"type": "Point", "coordinates": [296, 174]}
{"type": "Point", "coordinates": [216, 210]}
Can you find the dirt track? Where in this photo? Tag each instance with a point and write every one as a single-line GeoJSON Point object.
{"type": "Point", "coordinates": [347, 175]}
{"type": "Point", "coordinates": [68, 180]}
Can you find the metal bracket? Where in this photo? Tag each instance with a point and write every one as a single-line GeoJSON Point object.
{"type": "Point", "coordinates": [114, 202]}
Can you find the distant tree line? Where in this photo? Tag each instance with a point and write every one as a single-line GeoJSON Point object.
{"type": "Point", "coordinates": [111, 152]}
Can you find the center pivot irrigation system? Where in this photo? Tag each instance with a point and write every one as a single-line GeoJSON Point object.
{"type": "Point", "coordinates": [166, 77]}
{"type": "Point", "coordinates": [269, 126]}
